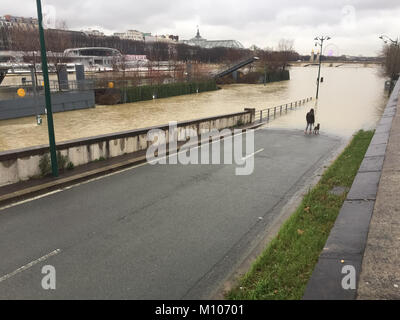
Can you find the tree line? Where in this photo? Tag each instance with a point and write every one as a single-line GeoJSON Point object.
{"type": "Point", "coordinates": [391, 55]}
{"type": "Point", "coordinates": [57, 40]}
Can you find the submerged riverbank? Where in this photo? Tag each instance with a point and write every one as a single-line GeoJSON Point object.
{"type": "Point", "coordinates": [351, 98]}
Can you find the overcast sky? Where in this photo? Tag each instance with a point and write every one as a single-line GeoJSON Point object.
{"type": "Point", "coordinates": [354, 25]}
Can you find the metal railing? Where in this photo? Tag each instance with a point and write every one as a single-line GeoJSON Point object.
{"type": "Point", "coordinates": [264, 115]}
{"type": "Point", "coordinates": [74, 85]}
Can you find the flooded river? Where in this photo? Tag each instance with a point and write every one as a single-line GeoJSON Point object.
{"type": "Point", "coordinates": [351, 98]}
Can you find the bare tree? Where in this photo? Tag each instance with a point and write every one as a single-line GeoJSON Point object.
{"type": "Point", "coordinates": [123, 65]}
{"type": "Point", "coordinates": [27, 41]}
{"type": "Point", "coordinates": [57, 41]}
{"type": "Point", "coordinates": [391, 54]}
{"type": "Point", "coordinates": [285, 50]}
{"type": "Point", "coordinates": [61, 25]}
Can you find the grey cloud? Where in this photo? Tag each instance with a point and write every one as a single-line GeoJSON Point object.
{"type": "Point", "coordinates": [255, 21]}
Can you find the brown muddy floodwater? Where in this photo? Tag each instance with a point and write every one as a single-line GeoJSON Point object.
{"type": "Point", "coordinates": [351, 98]}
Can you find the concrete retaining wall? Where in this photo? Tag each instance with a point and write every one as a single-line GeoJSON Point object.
{"type": "Point", "coordinates": [22, 164]}
{"type": "Point", "coordinates": [30, 106]}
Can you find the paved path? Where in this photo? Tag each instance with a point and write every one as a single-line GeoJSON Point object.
{"type": "Point", "coordinates": [380, 276]}
{"type": "Point", "coordinates": [153, 232]}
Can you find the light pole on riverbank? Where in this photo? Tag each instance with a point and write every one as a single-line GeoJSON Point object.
{"type": "Point", "coordinates": [321, 43]}
{"type": "Point", "coordinates": [50, 124]}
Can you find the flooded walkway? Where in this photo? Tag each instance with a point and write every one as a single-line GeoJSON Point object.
{"type": "Point", "coordinates": [351, 98]}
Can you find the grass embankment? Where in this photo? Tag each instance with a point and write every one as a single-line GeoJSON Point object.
{"type": "Point", "coordinates": [284, 268]}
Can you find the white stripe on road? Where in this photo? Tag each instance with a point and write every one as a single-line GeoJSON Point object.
{"type": "Point", "coordinates": [253, 154]}
{"type": "Point", "coordinates": [30, 199]}
{"type": "Point", "coordinates": [113, 173]}
{"type": "Point", "coordinates": [29, 265]}
{"type": "Point", "coordinates": [155, 161]}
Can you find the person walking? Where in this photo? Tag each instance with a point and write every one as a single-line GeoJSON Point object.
{"type": "Point", "coordinates": [310, 117]}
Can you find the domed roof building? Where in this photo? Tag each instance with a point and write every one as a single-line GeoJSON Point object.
{"type": "Point", "coordinates": [199, 41]}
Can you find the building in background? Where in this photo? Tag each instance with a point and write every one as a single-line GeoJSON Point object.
{"type": "Point", "coordinates": [130, 35]}
{"type": "Point", "coordinates": [199, 41]}
{"type": "Point", "coordinates": [148, 37]}
{"type": "Point", "coordinates": [314, 57]}
{"type": "Point", "coordinates": [95, 33]}
{"type": "Point", "coordinates": [18, 22]}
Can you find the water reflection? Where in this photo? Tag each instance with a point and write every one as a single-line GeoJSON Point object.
{"type": "Point", "coordinates": [350, 98]}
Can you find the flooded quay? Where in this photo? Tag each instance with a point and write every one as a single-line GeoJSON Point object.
{"type": "Point", "coordinates": [351, 98]}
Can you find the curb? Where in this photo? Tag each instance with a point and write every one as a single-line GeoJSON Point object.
{"type": "Point", "coordinates": [348, 238]}
{"type": "Point", "coordinates": [63, 182]}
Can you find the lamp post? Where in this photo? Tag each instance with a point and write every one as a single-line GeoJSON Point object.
{"type": "Point", "coordinates": [321, 43]}
{"type": "Point", "coordinates": [396, 44]}
{"type": "Point", "coordinates": [50, 124]}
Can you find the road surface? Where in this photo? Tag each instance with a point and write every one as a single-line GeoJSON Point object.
{"type": "Point", "coordinates": [153, 232]}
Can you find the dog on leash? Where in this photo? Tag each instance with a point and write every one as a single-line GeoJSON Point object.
{"type": "Point", "coordinates": [316, 129]}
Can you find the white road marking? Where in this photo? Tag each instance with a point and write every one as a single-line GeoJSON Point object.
{"type": "Point", "coordinates": [109, 175]}
{"type": "Point", "coordinates": [31, 199]}
{"type": "Point", "coordinates": [253, 154]}
{"type": "Point", "coordinates": [29, 265]}
{"type": "Point", "coordinates": [196, 147]}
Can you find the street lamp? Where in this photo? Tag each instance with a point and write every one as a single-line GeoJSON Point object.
{"type": "Point", "coordinates": [50, 124]}
{"type": "Point", "coordinates": [395, 43]}
{"type": "Point", "coordinates": [321, 43]}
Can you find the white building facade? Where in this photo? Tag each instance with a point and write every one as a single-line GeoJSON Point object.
{"type": "Point", "coordinates": [130, 35]}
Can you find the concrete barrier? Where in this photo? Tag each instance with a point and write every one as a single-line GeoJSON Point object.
{"type": "Point", "coordinates": [23, 164]}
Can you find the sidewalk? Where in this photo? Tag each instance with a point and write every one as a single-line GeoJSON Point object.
{"type": "Point", "coordinates": [380, 275]}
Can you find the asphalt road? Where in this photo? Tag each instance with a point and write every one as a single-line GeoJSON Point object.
{"type": "Point", "coordinates": [153, 232]}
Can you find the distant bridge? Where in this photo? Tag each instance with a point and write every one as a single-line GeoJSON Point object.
{"type": "Point", "coordinates": [236, 67]}
{"type": "Point", "coordinates": [335, 64]}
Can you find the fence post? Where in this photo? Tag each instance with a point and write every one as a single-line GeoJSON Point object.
{"type": "Point", "coordinates": [281, 110]}
{"type": "Point", "coordinates": [268, 115]}
{"type": "Point", "coordinates": [274, 112]}
{"type": "Point", "coordinates": [261, 116]}
{"type": "Point", "coordinates": [286, 107]}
